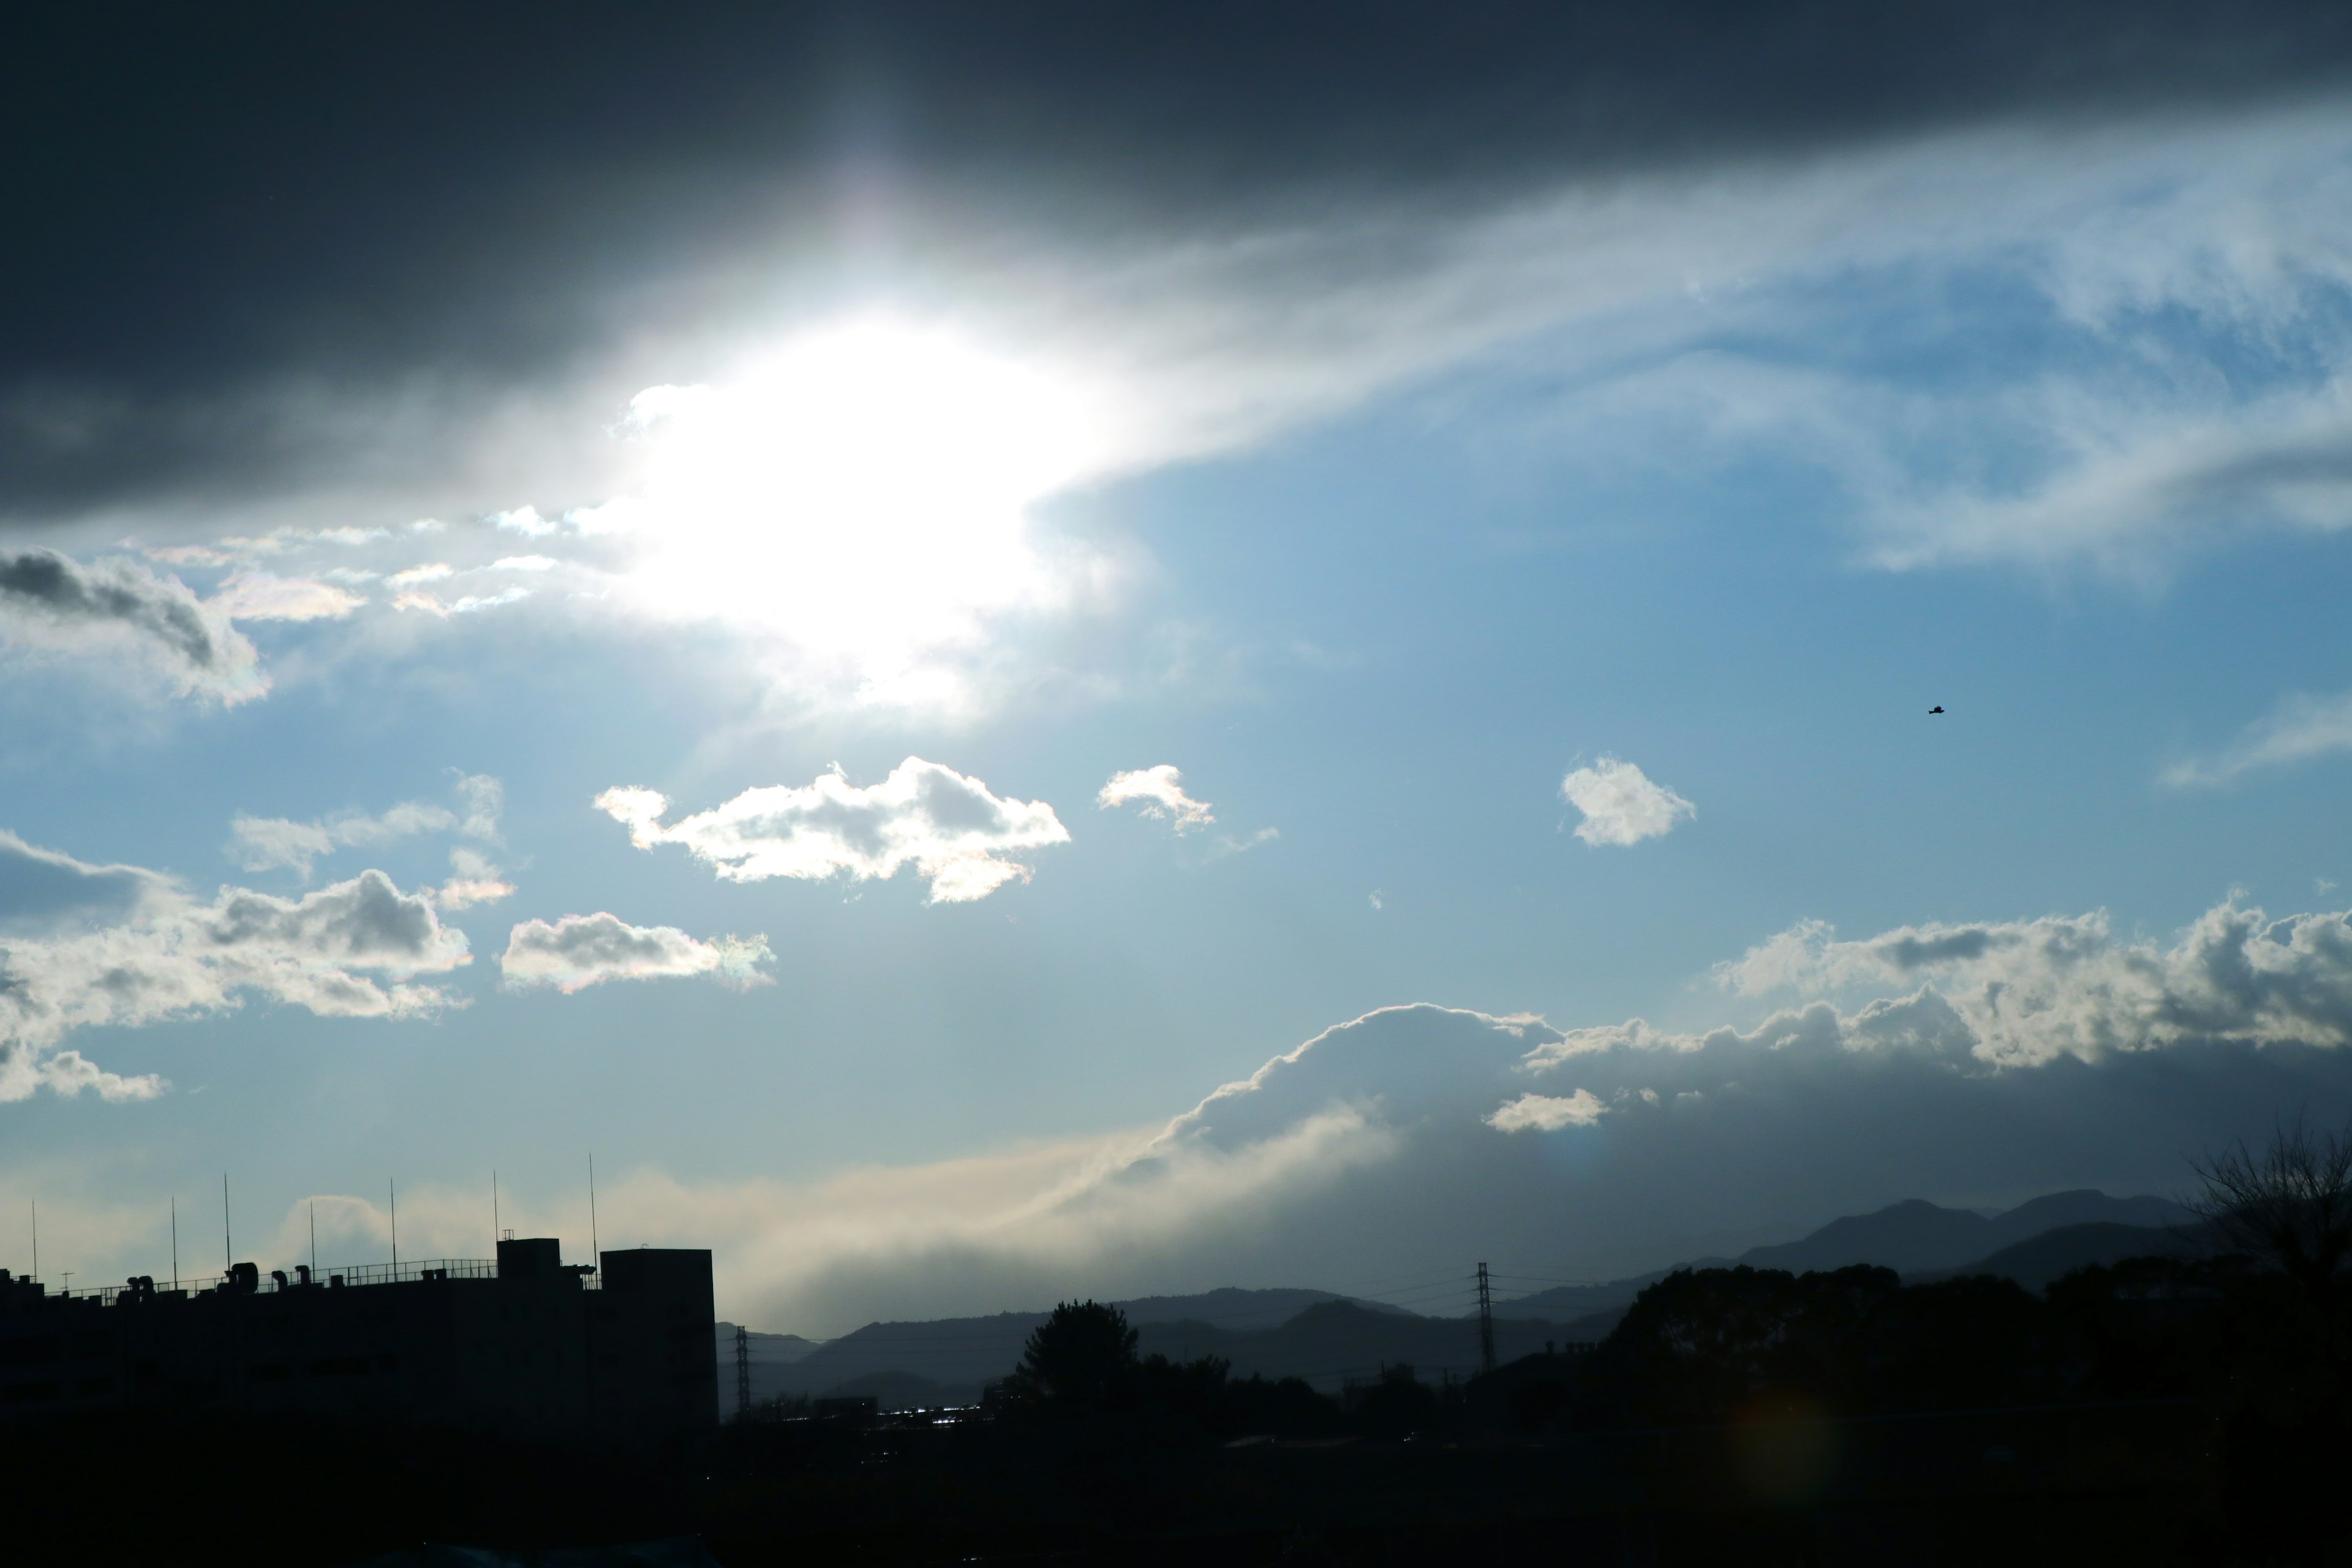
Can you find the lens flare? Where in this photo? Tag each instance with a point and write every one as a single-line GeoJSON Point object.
{"type": "Point", "coordinates": [863, 495]}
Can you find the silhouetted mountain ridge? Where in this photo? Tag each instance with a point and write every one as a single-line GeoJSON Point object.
{"type": "Point", "coordinates": [1326, 1338]}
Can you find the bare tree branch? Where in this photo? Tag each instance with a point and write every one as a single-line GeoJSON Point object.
{"type": "Point", "coordinates": [2287, 1205]}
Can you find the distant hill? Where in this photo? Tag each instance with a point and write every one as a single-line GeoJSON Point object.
{"type": "Point", "coordinates": [1569, 1303]}
{"type": "Point", "coordinates": [1327, 1344]}
{"type": "Point", "coordinates": [2037, 1261]}
{"type": "Point", "coordinates": [1918, 1237]}
{"type": "Point", "coordinates": [961, 1354]}
{"type": "Point", "coordinates": [1325, 1337]}
{"type": "Point", "coordinates": [1914, 1238]}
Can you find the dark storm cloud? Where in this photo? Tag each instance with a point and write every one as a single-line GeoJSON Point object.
{"type": "Point", "coordinates": [449, 201]}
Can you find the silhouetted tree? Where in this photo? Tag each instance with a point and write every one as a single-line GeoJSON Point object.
{"type": "Point", "coordinates": [2288, 1206]}
{"type": "Point", "coordinates": [1082, 1355]}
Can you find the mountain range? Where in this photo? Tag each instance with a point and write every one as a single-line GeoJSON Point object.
{"type": "Point", "coordinates": [1328, 1338]}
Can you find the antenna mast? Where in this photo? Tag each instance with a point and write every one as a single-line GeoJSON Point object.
{"type": "Point", "coordinates": [494, 1211]}
{"type": "Point", "coordinates": [314, 1239]}
{"type": "Point", "coordinates": [595, 1251]}
{"type": "Point", "coordinates": [175, 1241]}
{"type": "Point", "coordinates": [392, 1196]}
{"type": "Point", "coordinates": [37, 1237]}
{"type": "Point", "coordinates": [229, 1254]}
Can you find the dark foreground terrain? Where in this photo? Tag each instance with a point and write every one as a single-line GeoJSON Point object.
{"type": "Point", "coordinates": [2107, 1485]}
{"type": "Point", "coordinates": [2157, 1412]}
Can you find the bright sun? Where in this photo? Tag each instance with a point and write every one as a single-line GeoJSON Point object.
{"type": "Point", "coordinates": [863, 493]}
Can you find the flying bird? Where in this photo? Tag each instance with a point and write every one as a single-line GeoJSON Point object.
{"type": "Point", "coordinates": [1938, 708]}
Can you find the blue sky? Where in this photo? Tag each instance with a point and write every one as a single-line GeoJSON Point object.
{"type": "Point", "coordinates": [1376, 519]}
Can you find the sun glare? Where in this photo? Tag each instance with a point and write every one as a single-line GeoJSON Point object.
{"type": "Point", "coordinates": [864, 493]}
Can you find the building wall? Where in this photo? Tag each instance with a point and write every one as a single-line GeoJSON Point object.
{"type": "Point", "coordinates": [528, 1355]}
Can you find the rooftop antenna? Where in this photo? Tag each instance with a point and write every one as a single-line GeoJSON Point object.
{"type": "Point", "coordinates": [227, 1253]}
{"type": "Point", "coordinates": [392, 1196]}
{"type": "Point", "coordinates": [595, 1253]}
{"type": "Point", "coordinates": [175, 1241]}
{"type": "Point", "coordinates": [494, 1211]}
{"type": "Point", "coordinates": [37, 1238]}
{"type": "Point", "coordinates": [314, 1238]}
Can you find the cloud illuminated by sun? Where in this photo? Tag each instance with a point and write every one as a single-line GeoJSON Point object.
{"type": "Point", "coordinates": [862, 494]}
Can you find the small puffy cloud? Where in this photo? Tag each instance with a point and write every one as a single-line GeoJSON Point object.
{"type": "Point", "coordinates": [466, 892]}
{"type": "Point", "coordinates": [67, 1073]}
{"type": "Point", "coordinates": [1622, 805]}
{"type": "Point", "coordinates": [1160, 791]}
{"type": "Point", "coordinates": [100, 946]}
{"type": "Point", "coordinates": [51, 600]}
{"type": "Point", "coordinates": [2299, 729]}
{"type": "Point", "coordinates": [270, 843]}
{"type": "Point", "coordinates": [417, 576]}
{"type": "Point", "coordinates": [525, 563]}
{"type": "Point", "coordinates": [1547, 1112]}
{"type": "Point", "coordinates": [581, 951]}
{"type": "Point", "coordinates": [950, 828]}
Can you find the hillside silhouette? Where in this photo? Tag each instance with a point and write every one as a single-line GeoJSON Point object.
{"type": "Point", "coordinates": [1327, 1339]}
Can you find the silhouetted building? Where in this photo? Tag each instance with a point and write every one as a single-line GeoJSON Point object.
{"type": "Point", "coordinates": [525, 1347]}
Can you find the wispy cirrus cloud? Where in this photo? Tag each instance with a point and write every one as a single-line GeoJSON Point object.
{"type": "Point", "coordinates": [2299, 729]}
{"type": "Point", "coordinates": [956, 834]}
{"type": "Point", "coordinates": [270, 843]}
{"type": "Point", "coordinates": [274, 843]}
{"type": "Point", "coordinates": [263, 596]}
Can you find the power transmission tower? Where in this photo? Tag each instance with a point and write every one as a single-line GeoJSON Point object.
{"type": "Point", "coordinates": [1485, 1323]}
{"type": "Point", "coordinates": [742, 1374]}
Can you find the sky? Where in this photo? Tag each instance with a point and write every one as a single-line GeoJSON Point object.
{"type": "Point", "coordinates": [1000, 653]}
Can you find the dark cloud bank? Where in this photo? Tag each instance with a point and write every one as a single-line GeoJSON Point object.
{"type": "Point", "coordinates": [453, 200]}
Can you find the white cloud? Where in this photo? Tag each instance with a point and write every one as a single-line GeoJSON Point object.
{"type": "Point", "coordinates": [2030, 992]}
{"type": "Point", "coordinates": [525, 563]}
{"type": "Point", "coordinates": [269, 843]}
{"type": "Point", "coordinates": [1621, 805]}
{"type": "Point", "coordinates": [579, 951]}
{"type": "Point", "coordinates": [1547, 1112]}
{"type": "Point", "coordinates": [1161, 792]}
{"type": "Point", "coordinates": [417, 576]}
{"type": "Point", "coordinates": [956, 834]}
{"type": "Point", "coordinates": [86, 946]}
{"type": "Point", "coordinates": [2299, 729]}
{"type": "Point", "coordinates": [473, 602]}
{"type": "Point", "coordinates": [121, 608]}
{"type": "Point", "coordinates": [525, 521]}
